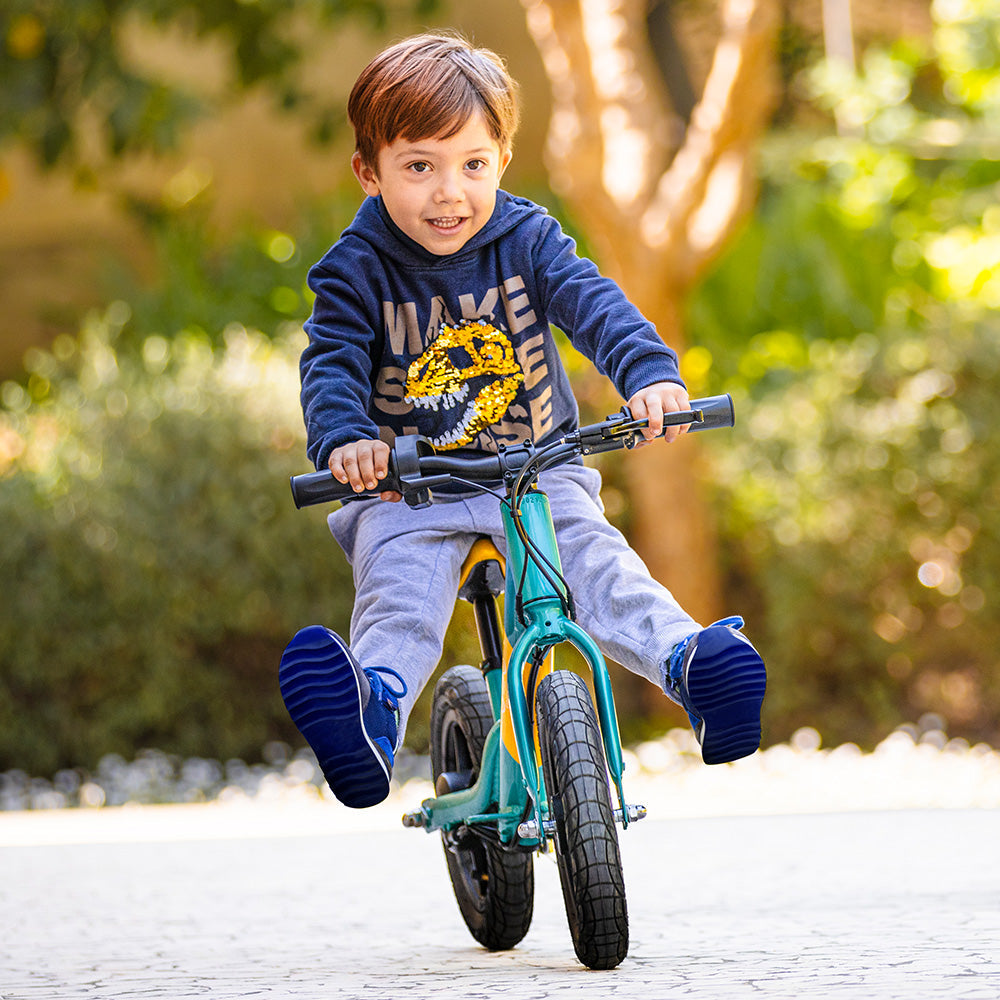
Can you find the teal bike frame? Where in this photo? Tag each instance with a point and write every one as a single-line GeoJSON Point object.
{"type": "Point", "coordinates": [509, 793]}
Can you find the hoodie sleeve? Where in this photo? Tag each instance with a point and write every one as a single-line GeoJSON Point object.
{"type": "Point", "coordinates": [598, 318]}
{"type": "Point", "coordinates": [336, 365]}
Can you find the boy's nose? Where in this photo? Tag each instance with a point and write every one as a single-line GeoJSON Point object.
{"type": "Point", "coordinates": [449, 188]}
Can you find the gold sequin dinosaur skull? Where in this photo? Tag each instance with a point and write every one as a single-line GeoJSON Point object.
{"type": "Point", "coordinates": [470, 357]}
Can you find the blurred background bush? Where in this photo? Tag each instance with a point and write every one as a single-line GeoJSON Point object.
{"type": "Point", "coordinates": [149, 417]}
{"type": "Point", "coordinates": [157, 557]}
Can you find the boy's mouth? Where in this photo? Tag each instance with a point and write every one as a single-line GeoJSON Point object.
{"type": "Point", "coordinates": [448, 223]}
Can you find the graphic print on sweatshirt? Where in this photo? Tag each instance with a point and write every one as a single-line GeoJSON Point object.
{"type": "Point", "coordinates": [467, 378]}
{"type": "Point", "coordinates": [476, 381]}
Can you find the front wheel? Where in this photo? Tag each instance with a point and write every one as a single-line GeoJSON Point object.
{"type": "Point", "coordinates": [494, 887]}
{"type": "Point", "coordinates": [576, 783]}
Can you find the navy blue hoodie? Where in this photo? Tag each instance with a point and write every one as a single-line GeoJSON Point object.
{"type": "Point", "coordinates": [458, 348]}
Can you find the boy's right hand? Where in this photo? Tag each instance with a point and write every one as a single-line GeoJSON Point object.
{"type": "Point", "coordinates": [362, 465]}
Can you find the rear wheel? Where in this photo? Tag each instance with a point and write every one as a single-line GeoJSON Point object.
{"type": "Point", "coordinates": [494, 887]}
{"type": "Point", "coordinates": [576, 782]}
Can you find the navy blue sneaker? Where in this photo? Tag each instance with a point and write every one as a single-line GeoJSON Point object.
{"type": "Point", "coordinates": [719, 678]}
{"type": "Point", "coordinates": [354, 739]}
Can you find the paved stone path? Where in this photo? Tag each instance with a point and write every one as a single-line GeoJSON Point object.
{"type": "Point", "coordinates": [277, 901]}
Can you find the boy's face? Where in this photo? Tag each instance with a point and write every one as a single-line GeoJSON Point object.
{"type": "Point", "coordinates": [440, 192]}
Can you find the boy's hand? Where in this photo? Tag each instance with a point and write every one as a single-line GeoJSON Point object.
{"type": "Point", "coordinates": [655, 400]}
{"type": "Point", "coordinates": [362, 465]}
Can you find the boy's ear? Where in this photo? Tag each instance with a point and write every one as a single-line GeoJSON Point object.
{"type": "Point", "coordinates": [505, 158]}
{"type": "Point", "coordinates": [365, 175]}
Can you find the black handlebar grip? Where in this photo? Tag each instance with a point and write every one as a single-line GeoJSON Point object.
{"type": "Point", "coordinates": [320, 487]}
{"type": "Point", "coordinates": [716, 411]}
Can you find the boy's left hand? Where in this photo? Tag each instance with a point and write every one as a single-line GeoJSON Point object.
{"type": "Point", "coordinates": [655, 400]}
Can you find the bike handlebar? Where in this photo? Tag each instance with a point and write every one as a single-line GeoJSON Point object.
{"type": "Point", "coordinates": [415, 468]}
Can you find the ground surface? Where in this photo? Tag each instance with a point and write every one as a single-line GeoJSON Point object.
{"type": "Point", "coordinates": [805, 889]}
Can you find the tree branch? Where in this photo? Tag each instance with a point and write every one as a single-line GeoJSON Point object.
{"type": "Point", "coordinates": [607, 137]}
{"type": "Point", "coordinates": [708, 186]}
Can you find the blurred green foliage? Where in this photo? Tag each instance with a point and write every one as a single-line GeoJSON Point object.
{"type": "Point", "coordinates": [64, 66]}
{"type": "Point", "coordinates": [855, 320]}
{"type": "Point", "coordinates": [205, 278]}
{"type": "Point", "coordinates": [861, 523]}
{"type": "Point", "coordinates": [158, 563]}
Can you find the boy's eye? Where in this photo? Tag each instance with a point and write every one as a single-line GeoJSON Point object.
{"type": "Point", "coordinates": [419, 167]}
{"type": "Point", "coordinates": [475, 165]}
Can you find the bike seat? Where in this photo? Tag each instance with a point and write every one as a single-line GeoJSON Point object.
{"type": "Point", "coordinates": [482, 571]}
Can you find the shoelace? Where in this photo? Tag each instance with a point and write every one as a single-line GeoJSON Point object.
{"type": "Point", "coordinates": [676, 662]}
{"type": "Point", "coordinates": [380, 689]}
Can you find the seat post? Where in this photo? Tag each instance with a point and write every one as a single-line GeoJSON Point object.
{"type": "Point", "coordinates": [484, 607]}
{"type": "Point", "coordinates": [481, 582]}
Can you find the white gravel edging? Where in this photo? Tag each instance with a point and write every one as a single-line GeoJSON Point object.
{"type": "Point", "coordinates": [666, 775]}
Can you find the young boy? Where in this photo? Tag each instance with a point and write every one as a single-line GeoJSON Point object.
{"type": "Point", "coordinates": [432, 315]}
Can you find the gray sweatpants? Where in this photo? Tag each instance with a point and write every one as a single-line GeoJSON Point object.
{"type": "Point", "coordinates": [407, 563]}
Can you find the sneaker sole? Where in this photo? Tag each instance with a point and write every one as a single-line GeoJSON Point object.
{"type": "Point", "coordinates": [322, 694]}
{"type": "Point", "coordinates": [725, 681]}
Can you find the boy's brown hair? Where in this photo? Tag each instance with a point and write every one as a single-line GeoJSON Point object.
{"type": "Point", "coordinates": [429, 86]}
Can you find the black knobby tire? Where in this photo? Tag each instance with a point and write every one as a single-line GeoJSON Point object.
{"type": "Point", "coordinates": [576, 782]}
{"type": "Point", "coordinates": [494, 888]}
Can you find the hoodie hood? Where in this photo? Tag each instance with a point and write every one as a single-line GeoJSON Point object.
{"type": "Point", "coordinates": [374, 225]}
